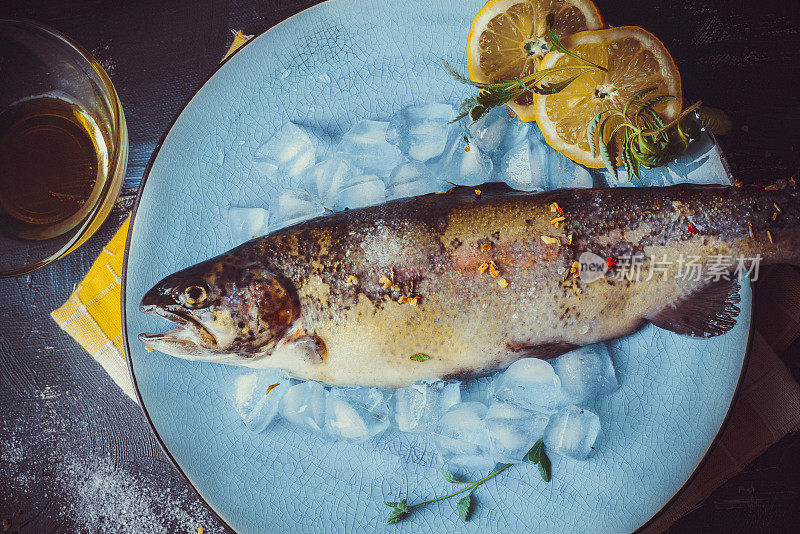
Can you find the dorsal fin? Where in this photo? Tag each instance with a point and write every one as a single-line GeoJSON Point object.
{"type": "Point", "coordinates": [710, 311]}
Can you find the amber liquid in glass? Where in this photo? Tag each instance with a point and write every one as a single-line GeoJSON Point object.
{"type": "Point", "coordinates": [52, 156]}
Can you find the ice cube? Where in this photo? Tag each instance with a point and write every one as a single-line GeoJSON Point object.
{"type": "Point", "coordinates": [324, 180]}
{"type": "Point", "coordinates": [551, 169]}
{"type": "Point", "coordinates": [529, 383]}
{"type": "Point", "coordinates": [257, 397]}
{"type": "Point", "coordinates": [288, 152]}
{"type": "Point", "coordinates": [497, 131]}
{"type": "Point", "coordinates": [700, 164]}
{"type": "Point", "coordinates": [304, 405]}
{"type": "Point", "coordinates": [572, 432]}
{"type": "Point", "coordinates": [586, 373]}
{"type": "Point", "coordinates": [247, 223]}
{"type": "Point", "coordinates": [412, 179]}
{"type": "Point", "coordinates": [294, 206]}
{"type": "Point", "coordinates": [461, 437]}
{"type": "Point", "coordinates": [513, 431]}
{"type": "Point", "coordinates": [376, 401]}
{"type": "Point", "coordinates": [324, 144]}
{"type": "Point", "coordinates": [515, 168]}
{"type": "Point", "coordinates": [356, 413]}
{"type": "Point", "coordinates": [419, 406]}
{"type": "Point", "coordinates": [364, 190]}
{"type": "Point", "coordinates": [461, 163]}
{"type": "Point", "coordinates": [365, 147]}
{"type": "Point", "coordinates": [420, 132]}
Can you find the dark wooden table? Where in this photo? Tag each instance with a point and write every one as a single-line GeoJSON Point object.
{"type": "Point", "coordinates": [76, 454]}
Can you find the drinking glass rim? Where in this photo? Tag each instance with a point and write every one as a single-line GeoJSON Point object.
{"type": "Point", "coordinates": [118, 132]}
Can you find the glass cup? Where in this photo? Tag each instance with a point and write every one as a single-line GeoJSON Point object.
{"type": "Point", "coordinates": [63, 146]}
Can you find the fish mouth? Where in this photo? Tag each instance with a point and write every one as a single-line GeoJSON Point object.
{"type": "Point", "coordinates": [190, 330]}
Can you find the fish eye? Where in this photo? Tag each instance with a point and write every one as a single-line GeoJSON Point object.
{"type": "Point", "coordinates": [193, 296]}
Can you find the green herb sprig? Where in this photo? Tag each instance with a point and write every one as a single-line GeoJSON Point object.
{"type": "Point", "coordinates": [640, 137]}
{"type": "Point", "coordinates": [401, 509]}
{"type": "Point", "coordinates": [491, 95]}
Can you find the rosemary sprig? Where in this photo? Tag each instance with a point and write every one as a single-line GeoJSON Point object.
{"type": "Point", "coordinates": [639, 137]}
{"type": "Point", "coordinates": [558, 46]}
{"type": "Point", "coordinates": [401, 509]}
{"type": "Point", "coordinates": [491, 95]}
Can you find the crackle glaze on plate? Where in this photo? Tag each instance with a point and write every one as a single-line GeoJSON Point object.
{"type": "Point", "coordinates": [327, 67]}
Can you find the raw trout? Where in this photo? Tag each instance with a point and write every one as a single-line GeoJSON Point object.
{"type": "Point", "coordinates": [465, 282]}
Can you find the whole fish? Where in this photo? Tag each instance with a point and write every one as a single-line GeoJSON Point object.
{"type": "Point", "coordinates": [462, 283]}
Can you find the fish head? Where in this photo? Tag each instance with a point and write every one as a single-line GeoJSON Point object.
{"type": "Point", "coordinates": [227, 310]}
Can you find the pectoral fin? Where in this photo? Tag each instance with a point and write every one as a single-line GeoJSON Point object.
{"type": "Point", "coordinates": [308, 346]}
{"type": "Point", "coordinates": [707, 312]}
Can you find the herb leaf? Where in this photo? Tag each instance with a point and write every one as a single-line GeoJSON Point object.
{"type": "Point", "coordinates": [554, 87]}
{"type": "Point", "coordinates": [544, 465]}
{"type": "Point", "coordinates": [591, 131]}
{"type": "Point", "coordinates": [420, 357]}
{"type": "Point", "coordinates": [396, 515]}
{"type": "Point", "coordinates": [464, 507]}
{"type": "Point", "coordinates": [554, 40]}
{"type": "Point", "coordinates": [457, 76]}
{"type": "Point", "coordinates": [464, 109]}
{"type": "Point", "coordinates": [399, 511]}
{"type": "Point", "coordinates": [605, 155]}
{"type": "Point", "coordinates": [535, 452]}
{"type": "Point", "coordinates": [636, 96]}
{"type": "Point", "coordinates": [390, 504]}
{"type": "Point", "coordinates": [715, 120]}
{"type": "Point", "coordinates": [450, 477]}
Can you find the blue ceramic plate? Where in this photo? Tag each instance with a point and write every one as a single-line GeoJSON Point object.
{"type": "Point", "coordinates": [328, 67]}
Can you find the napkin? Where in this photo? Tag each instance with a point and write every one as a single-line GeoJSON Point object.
{"type": "Point", "coordinates": [92, 313]}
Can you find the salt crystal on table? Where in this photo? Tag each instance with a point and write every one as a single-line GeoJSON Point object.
{"type": "Point", "coordinates": [513, 431]}
{"type": "Point", "coordinates": [304, 405]}
{"type": "Point", "coordinates": [461, 437]}
{"type": "Point", "coordinates": [419, 406]}
{"type": "Point", "coordinates": [356, 413]}
{"type": "Point", "coordinates": [420, 132]}
{"type": "Point", "coordinates": [288, 152]}
{"type": "Point", "coordinates": [461, 163]}
{"type": "Point", "coordinates": [366, 148]}
{"type": "Point", "coordinates": [586, 373]}
{"type": "Point", "coordinates": [258, 395]}
{"type": "Point", "coordinates": [529, 383]}
{"type": "Point", "coordinates": [247, 223]}
{"type": "Point", "coordinates": [572, 432]}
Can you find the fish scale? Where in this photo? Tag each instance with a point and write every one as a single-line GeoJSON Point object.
{"type": "Point", "coordinates": [492, 279]}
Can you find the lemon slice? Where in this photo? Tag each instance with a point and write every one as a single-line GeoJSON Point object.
{"type": "Point", "coordinates": [635, 60]}
{"type": "Point", "coordinates": [508, 39]}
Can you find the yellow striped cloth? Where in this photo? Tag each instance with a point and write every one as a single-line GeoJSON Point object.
{"type": "Point", "coordinates": [92, 313]}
